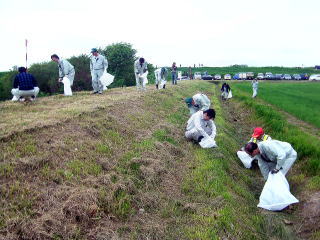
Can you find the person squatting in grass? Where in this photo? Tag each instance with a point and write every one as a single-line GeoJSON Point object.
{"type": "Point", "coordinates": [255, 84]}
{"type": "Point", "coordinates": [141, 72]}
{"type": "Point", "coordinates": [199, 102]}
{"type": "Point", "coordinates": [161, 77]}
{"type": "Point", "coordinates": [200, 125]}
{"type": "Point", "coordinates": [98, 64]}
{"type": "Point", "coordinates": [225, 89]}
{"type": "Point", "coordinates": [24, 86]}
{"type": "Point", "coordinates": [273, 155]}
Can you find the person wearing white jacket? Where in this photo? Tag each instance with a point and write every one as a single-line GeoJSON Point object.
{"type": "Point", "coordinates": [161, 77]}
{"type": "Point", "coordinates": [255, 84]}
{"type": "Point", "coordinates": [273, 155]}
{"type": "Point", "coordinates": [199, 102]}
{"type": "Point", "coordinates": [200, 125]}
{"type": "Point", "coordinates": [141, 72]}
{"type": "Point", "coordinates": [98, 64]}
{"type": "Point", "coordinates": [65, 68]}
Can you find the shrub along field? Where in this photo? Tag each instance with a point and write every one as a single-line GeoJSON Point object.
{"type": "Point", "coordinates": [120, 167]}
{"type": "Point", "coordinates": [299, 99]}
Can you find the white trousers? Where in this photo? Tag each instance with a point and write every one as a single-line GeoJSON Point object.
{"type": "Point", "coordinates": [24, 93]}
{"type": "Point", "coordinates": [255, 92]}
{"type": "Point", "coordinates": [140, 82]}
{"type": "Point", "coordinates": [266, 167]}
{"type": "Point", "coordinates": [96, 83]}
{"type": "Point", "coordinates": [195, 134]}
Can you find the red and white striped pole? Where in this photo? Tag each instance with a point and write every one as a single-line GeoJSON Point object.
{"type": "Point", "coordinates": [26, 54]}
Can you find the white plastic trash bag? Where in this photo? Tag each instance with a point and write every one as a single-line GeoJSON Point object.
{"type": "Point", "coordinates": [245, 158]}
{"type": "Point", "coordinates": [230, 94]}
{"type": "Point", "coordinates": [208, 142]}
{"type": "Point", "coordinates": [276, 195]}
{"type": "Point", "coordinates": [144, 78]}
{"type": "Point", "coordinates": [106, 79]}
{"type": "Point", "coordinates": [66, 86]}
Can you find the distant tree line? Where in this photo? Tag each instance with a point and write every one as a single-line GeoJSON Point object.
{"type": "Point", "coordinates": [121, 57]}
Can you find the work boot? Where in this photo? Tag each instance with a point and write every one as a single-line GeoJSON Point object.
{"type": "Point", "coordinates": [164, 86]}
{"type": "Point", "coordinates": [157, 86]}
{"type": "Point", "coordinates": [200, 138]}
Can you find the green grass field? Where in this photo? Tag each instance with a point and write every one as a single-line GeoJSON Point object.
{"type": "Point", "coordinates": [299, 99]}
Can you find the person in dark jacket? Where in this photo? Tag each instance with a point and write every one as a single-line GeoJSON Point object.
{"type": "Point", "coordinates": [24, 85]}
{"type": "Point", "coordinates": [225, 89]}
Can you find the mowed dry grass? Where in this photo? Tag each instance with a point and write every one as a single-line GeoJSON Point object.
{"type": "Point", "coordinates": [17, 117]}
{"type": "Point", "coordinates": [90, 167]}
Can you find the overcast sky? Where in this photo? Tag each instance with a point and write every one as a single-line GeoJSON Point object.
{"type": "Point", "coordinates": [210, 32]}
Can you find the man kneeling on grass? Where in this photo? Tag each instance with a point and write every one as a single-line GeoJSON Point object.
{"type": "Point", "coordinates": [25, 86]}
{"type": "Point", "coordinates": [201, 125]}
{"type": "Point", "coordinates": [272, 156]}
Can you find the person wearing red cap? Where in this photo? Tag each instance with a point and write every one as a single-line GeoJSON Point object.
{"type": "Point", "coordinates": [259, 135]}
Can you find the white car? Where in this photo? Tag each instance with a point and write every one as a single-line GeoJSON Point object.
{"type": "Point", "coordinates": [197, 75]}
{"type": "Point", "coordinates": [227, 77]}
{"type": "Point", "coordinates": [260, 76]}
{"type": "Point", "coordinates": [314, 77]}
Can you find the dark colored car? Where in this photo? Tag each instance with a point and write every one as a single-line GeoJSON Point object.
{"type": "Point", "coordinates": [296, 77]}
{"type": "Point", "coordinates": [236, 77]}
{"type": "Point", "coordinates": [269, 76]}
{"type": "Point", "coordinates": [278, 76]}
{"type": "Point", "coordinates": [206, 76]}
{"type": "Point", "coordinates": [304, 76]}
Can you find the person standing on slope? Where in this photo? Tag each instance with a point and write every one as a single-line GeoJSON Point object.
{"type": "Point", "coordinates": [174, 73]}
{"type": "Point", "coordinates": [98, 64]}
{"type": "Point", "coordinates": [255, 84]}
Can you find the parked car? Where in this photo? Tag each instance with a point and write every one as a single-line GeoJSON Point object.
{"type": "Point", "coordinates": [287, 77]}
{"type": "Point", "coordinates": [197, 75]}
{"type": "Point", "coordinates": [227, 77]}
{"type": "Point", "coordinates": [250, 76]}
{"type": "Point", "coordinates": [206, 76]}
{"type": "Point", "coordinates": [236, 76]}
{"type": "Point", "coordinates": [269, 76]}
{"type": "Point", "coordinates": [304, 76]}
{"type": "Point", "coordinates": [278, 76]}
{"type": "Point", "coordinates": [243, 76]}
{"type": "Point", "coordinates": [260, 76]}
{"type": "Point", "coordinates": [314, 77]}
{"type": "Point", "coordinates": [296, 77]}
{"type": "Point", "coordinates": [217, 77]}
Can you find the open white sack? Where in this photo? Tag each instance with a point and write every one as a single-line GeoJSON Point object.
{"type": "Point", "coordinates": [144, 78]}
{"type": "Point", "coordinates": [66, 86]}
{"type": "Point", "coordinates": [230, 94]}
{"type": "Point", "coordinates": [207, 142]}
{"type": "Point", "coordinates": [245, 158]}
{"type": "Point", "coordinates": [276, 195]}
{"type": "Point", "coordinates": [106, 79]}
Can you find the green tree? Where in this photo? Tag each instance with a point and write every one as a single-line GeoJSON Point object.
{"type": "Point", "coordinates": [121, 57]}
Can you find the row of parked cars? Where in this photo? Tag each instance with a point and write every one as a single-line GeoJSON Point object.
{"type": "Point", "coordinates": [260, 76]}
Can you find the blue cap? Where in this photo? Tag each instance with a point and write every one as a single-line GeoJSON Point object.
{"type": "Point", "coordinates": [94, 50]}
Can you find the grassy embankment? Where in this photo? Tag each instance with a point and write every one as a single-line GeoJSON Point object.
{"type": "Point", "coordinates": [301, 100]}
{"type": "Point", "coordinates": [118, 165]}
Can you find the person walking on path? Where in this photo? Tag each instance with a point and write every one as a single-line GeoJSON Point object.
{"type": "Point", "coordinates": [255, 84]}
{"type": "Point", "coordinates": [174, 73]}
{"type": "Point", "coordinates": [141, 72]}
{"type": "Point", "coordinates": [199, 102]}
{"type": "Point", "coordinates": [98, 64]}
{"type": "Point", "coordinates": [273, 156]}
{"type": "Point", "coordinates": [225, 89]}
{"type": "Point", "coordinates": [24, 86]}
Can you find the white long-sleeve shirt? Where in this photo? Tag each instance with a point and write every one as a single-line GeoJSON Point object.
{"type": "Point", "coordinates": [255, 84]}
{"type": "Point", "coordinates": [65, 68]}
{"type": "Point", "coordinates": [140, 69]}
{"type": "Point", "coordinates": [275, 151]}
{"type": "Point", "coordinates": [98, 63]}
{"type": "Point", "coordinates": [196, 121]}
{"type": "Point", "coordinates": [202, 101]}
